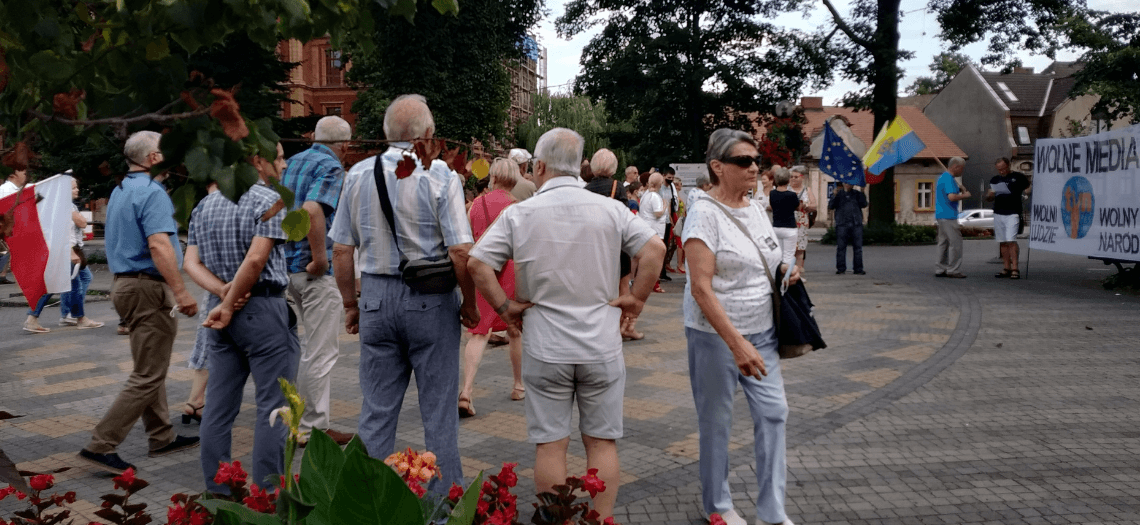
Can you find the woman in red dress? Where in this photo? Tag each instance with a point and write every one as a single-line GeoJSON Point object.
{"type": "Point", "coordinates": [484, 210]}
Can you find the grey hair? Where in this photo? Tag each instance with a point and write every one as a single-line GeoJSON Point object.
{"type": "Point", "coordinates": [140, 144]}
{"type": "Point", "coordinates": [561, 150]}
{"type": "Point", "coordinates": [505, 172]}
{"type": "Point", "coordinates": [657, 180]}
{"type": "Point", "coordinates": [801, 169]}
{"type": "Point", "coordinates": [604, 163]}
{"type": "Point", "coordinates": [956, 161]}
{"type": "Point", "coordinates": [720, 143]}
{"type": "Point", "coordinates": [332, 129]}
{"type": "Point", "coordinates": [408, 118]}
{"type": "Point", "coordinates": [781, 175]}
{"type": "Point", "coordinates": [703, 180]}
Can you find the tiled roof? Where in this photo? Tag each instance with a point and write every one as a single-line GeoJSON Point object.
{"type": "Point", "coordinates": [863, 123]}
{"type": "Point", "coordinates": [1059, 93]}
{"type": "Point", "coordinates": [1027, 88]}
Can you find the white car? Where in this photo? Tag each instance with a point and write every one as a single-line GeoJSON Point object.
{"type": "Point", "coordinates": [980, 219]}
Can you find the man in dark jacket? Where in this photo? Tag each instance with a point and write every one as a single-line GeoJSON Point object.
{"type": "Point", "coordinates": [848, 205]}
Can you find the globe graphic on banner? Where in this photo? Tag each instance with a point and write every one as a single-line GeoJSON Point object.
{"type": "Point", "coordinates": [1077, 205]}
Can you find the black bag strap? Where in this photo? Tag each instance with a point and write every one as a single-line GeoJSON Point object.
{"type": "Point", "coordinates": [386, 204]}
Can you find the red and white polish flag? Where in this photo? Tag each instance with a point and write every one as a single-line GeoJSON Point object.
{"type": "Point", "coordinates": [40, 243]}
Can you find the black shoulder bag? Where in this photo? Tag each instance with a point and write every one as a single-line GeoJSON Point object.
{"type": "Point", "coordinates": [796, 329]}
{"type": "Point", "coordinates": [421, 275]}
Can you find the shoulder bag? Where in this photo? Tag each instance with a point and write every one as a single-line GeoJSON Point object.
{"type": "Point", "coordinates": [796, 329]}
{"type": "Point", "coordinates": [421, 275]}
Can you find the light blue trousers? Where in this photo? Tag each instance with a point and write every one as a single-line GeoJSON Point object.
{"type": "Point", "coordinates": [401, 332]}
{"type": "Point", "coordinates": [714, 376]}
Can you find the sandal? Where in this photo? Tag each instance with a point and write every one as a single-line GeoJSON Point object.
{"type": "Point", "coordinates": [1014, 275]}
{"type": "Point", "coordinates": [1003, 274]}
{"type": "Point", "coordinates": [466, 409]}
{"type": "Point", "coordinates": [518, 394]}
{"type": "Point", "coordinates": [195, 414]}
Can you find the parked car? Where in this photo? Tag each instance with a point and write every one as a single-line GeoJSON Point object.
{"type": "Point", "coordinates": [980, 219]}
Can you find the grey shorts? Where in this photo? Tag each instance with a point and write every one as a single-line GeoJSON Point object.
{"type": "Point", "coordinates": [552, 388]}
{"type": "Point", "coordinates": [1005, 227]}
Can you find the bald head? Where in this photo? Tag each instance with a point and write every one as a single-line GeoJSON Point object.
{"type": "Point", "coordinates": [408, 118]}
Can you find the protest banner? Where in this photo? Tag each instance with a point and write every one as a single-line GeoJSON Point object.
{"type": "Point", "coordinates": [1085, 199]}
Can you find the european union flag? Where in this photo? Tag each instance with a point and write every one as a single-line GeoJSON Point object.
{"type": "Point", "coordinates": [838, 161]}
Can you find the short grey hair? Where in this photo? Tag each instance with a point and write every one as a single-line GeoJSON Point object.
{"type": "Point", "coordinates": [956, 161]}
{"type": "Point", "coordinates": [801, 169]}
{"type": "Point", "coordinates": [561, 150]}
{"type": "Point", "coordinates": [332, 129]}
{"type": "Point", "coordinates": [408, 118]}
{"type": "Point", "coordinates": [504, 172]}
{"type": "Point", "coordinates": [703, 180]}
{"type": "Point", "coordinates": [657, 180]}
{"type": "Point", "coordinates": [781, 175]}
{"type": "Point", "coordinates": [604, 163]}
{"type": "Point", "coordinates": [720, 143]}
{"type": "Point", "coordinates": [140, 144]}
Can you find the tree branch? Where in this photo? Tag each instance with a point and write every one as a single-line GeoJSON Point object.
{"type": "Point", "coordinates": [842, 26]}
{"type": "Point", "coordinates": [123, 121]}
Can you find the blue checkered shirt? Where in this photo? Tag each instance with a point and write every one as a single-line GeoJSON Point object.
{"type": "Point", "coordinates": [223, 232]}
{"type": "Point", "coordinates": [313, 175]}
{"type": "Point", "coordinates": [428, 205]}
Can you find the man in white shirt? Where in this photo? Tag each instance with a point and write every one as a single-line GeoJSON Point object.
{"type": "Point", "coordinates": [571, 342]}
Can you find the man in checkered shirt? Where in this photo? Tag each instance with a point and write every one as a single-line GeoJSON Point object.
{"type": "Point", "coordinates": [236, 252]}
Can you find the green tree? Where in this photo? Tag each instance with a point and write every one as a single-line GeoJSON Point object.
{"type": "Point", "coordinates": [579, 113]}
{"type": "Point", "coordinates": [1111, 61]}
{"type": "Point", "coordinates": [869, 52]}
{"type": "Point", "coordinates": [673, 71]}
{"type": "Point", "coordinates": [458, 63]}
{"type": "Point", "coordinates": [944, 66]}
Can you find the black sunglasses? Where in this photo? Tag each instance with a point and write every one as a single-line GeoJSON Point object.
{"type": "Point", "coordinates": [743, 161]}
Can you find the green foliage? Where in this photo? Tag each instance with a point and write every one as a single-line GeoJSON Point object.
{"type": "Point", "coordinates": [1009, 26]}
{"type": "Point", "coordinates": [944, 66]}
{"type": "Point", "coordinates": [674, 71]}
{"type": "Point", "coordinates": [458, 63]}
{"type": "Point", "coordinates": [890, 235]}
{"type": "Point", "coordinates": [578, 113]}
{"type": "Point", "coordinates": [1111, 61]}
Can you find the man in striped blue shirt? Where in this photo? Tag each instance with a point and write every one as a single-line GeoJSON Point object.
{"type": "Point", "coordinates": [315, 177]}
{"type": "Point", "coordinates": [403, 330]}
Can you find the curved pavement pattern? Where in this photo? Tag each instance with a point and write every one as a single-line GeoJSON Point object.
{"type": "Point", "coordinates": [937, 401]}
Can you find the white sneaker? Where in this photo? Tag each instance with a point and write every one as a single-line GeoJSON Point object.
{"type": "Point", "coordinates": [68, 321]}
{"type": "Point", "coordinates": [732, 518]}
{"type": "Point", "coordinates": [785, 522]}
{"type": "Point", "coordinates": [87, 323]}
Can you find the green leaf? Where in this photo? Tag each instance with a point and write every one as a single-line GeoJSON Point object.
{"type": "Point", "coordinates": [404, 8]}
{"type": "Point", "coordinates": [355, 444]}
{"type": "Point", "coordinates": [446, 7]}
{"type": "Point", "coordinates": [296, 226]}
{"type": "Point", "coordinates": [320, 470]}
{"type": "Point", "coordinates": [464, 511]}
{"type": "Point", "coordinates": [226, 183]}
{"type": "Point", "coordinates": [371, 492]}
{"type": "Point", "coordinates": [289, 502]}
{"type": "Point", "coordinates": [245, 176]}
{"type": "Point", "coordinates": [200, 164]}
{"type": "Point", "coordinates": [232, 513]}
{"type": "Point", "coordinates": [50, 65]}
{"type": "Point", "coordinates": [157, 49]}
{"type": "Point", "coordinates": [287, 196]}
{"type": "Point", "coordinates": [184, 199]}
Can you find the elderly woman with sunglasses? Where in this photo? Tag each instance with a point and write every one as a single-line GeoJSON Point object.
{"type": "Point", "coordinates": [729, 327]}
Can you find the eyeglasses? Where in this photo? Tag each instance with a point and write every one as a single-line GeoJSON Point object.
{"type": "Point", "coordinates": [743, 161]}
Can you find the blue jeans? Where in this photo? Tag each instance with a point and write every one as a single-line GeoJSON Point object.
{"type": "Point", "coordinates": [71, 303]}
{"type": "Point", "coordinates": [40, 305]}
{"type": "Point", "coordinates": [849, 236]}
{"type": "Point", "coordinates": [402, 331]}
{"type": "Point", "coordinates": [258, 341]}
{"type": "Point", "coordinates": [714, 376]}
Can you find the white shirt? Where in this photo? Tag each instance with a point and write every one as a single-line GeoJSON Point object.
{"type": "Point", "coordinates": [565, 242]}
{"type": "Point", "coordinates": [651, 204]}
{"type": "Point", "coordinates": [739, 283]}
{"type": "Point", "coordinates": [669, 196]}
{"type": "Point", "coordinates": [428, 206]}
{"type": "Point", "coordinates": [8, 188]}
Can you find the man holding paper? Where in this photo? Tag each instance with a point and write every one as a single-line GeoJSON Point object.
{"type": "Point", "coordinates": [1005, 192]}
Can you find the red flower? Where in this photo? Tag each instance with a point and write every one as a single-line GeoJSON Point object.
{"type": "Point", "coordinates": [259, 500]}
{"type": "Point", "coordinates": [230, 474]}
{"type": "Point", "coordinates": [20, 495]}
{"type": "Point", "coordinates": [592, 483]}
{"type": "Point", "coordinates": [199, 517]}
{"type": "Point", "coordinates": [175, 514]}
{"type": "Point", "coordinates": [69, 497]}
{"type": "Point", "coordinates": [42, 482]}
{"type": "Point", "coordinates": [716, 519]}
{"type": "Point", "coordinates": [507, 475]}
{"type": "Point", "coordinates": [499, 517]}
{"type": "Point", "coordinates": [124, 480]}
{"type": "Point", "coordinates": [455, 493]}
{"type": "Point", "coordinates": [609, 521]}
{"type": "Point", "coordinates": [482, 507]}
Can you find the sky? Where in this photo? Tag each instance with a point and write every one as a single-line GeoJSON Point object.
{"type": "Point", "coordinates": [919, 33]}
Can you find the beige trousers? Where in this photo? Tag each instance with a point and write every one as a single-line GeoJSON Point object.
{"type": "Point", "coordinates": [317, 304]}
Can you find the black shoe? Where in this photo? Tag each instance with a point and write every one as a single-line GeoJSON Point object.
{"type": "Point", "coordinates": [940, 274]}
{"type": "Point", "coordinates": [109, 462]}
{"type": "Point", "coordinates": [840, 272]}
{"type": "Point", "coordinates": [5, 280]}
{"type": "Point", "coordinates": [860, 272]}
{"type": "Point", "coordinates": [179, 443]}
{"type": "Point", "coordinates": [666, 278]}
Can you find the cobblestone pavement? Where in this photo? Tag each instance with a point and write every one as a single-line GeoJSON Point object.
{"type": "Point", "coordinates": [938, 401]}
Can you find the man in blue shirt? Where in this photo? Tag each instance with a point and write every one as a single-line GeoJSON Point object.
{"type": "Point", "coordinates": [947, 194]}
{"type": "Point", "coordinates": [236, 252]}
{"type": "Point", "coordinates": [144, 254]}
{"type": "Point", "coordinates": [315, 177]}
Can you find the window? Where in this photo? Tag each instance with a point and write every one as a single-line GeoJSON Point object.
{"type": "Point", "coordinates": [333, 110]}
{"type": "Point", "coordinates": [924, 195]}
{"type": "Point", "coordinates": [1098, 125]}
{"type": "Point", "coordinates": [334, 74]}
{"type": "Point", "coordinates": [1008, 92]}
{"type": "Point", "coordinates": [1022, 135]}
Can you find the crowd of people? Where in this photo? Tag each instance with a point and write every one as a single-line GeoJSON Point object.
{"type": "Point", "coordinates": [407, 261]}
